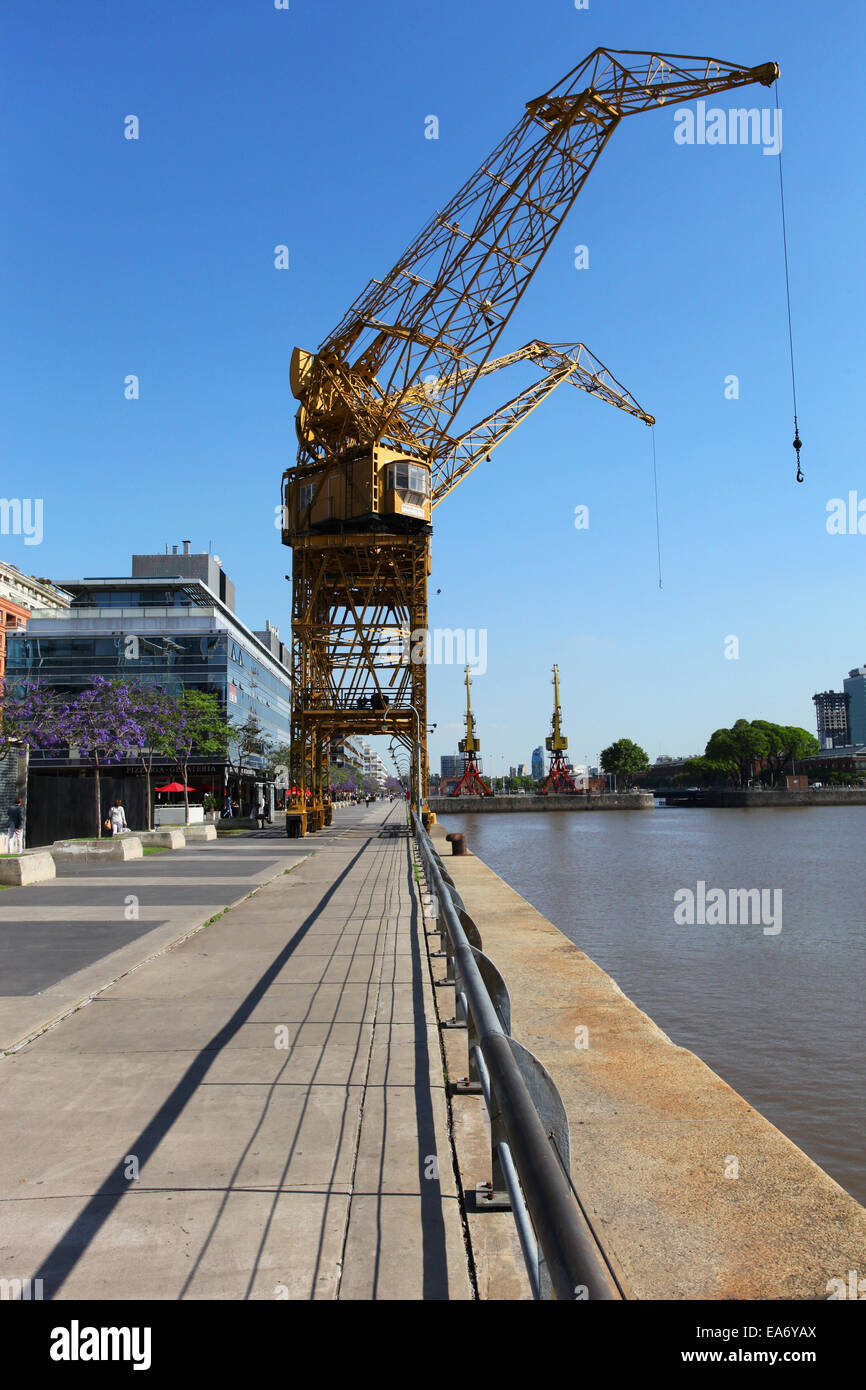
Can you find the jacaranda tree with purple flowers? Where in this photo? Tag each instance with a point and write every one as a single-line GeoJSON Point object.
{"type": "Point", "coordinates": [31, 717]}
{"type": "Point", "coordinates": [194, 724]}
{"type": "Point", "coordinates": [101, 722]}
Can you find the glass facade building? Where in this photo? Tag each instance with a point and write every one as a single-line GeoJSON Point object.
{"type": "Point", "coordinates": [165, 631]}
{"type": "Point", "coordinates": [855, 689]}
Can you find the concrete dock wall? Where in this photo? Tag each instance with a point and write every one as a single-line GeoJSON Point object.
{"type": "Point", "coordinates": [691, 1191]}
{"type": "Point", "coordinates": [815, 796]}
{"type": "Point", "coordinates": [589, 801]}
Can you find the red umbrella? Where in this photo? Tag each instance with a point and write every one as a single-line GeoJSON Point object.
{"type": "Point", "coordinates": [175, 787]}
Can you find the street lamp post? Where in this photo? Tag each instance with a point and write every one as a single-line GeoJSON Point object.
{"type": "Point", "coordinates": [417, 759]}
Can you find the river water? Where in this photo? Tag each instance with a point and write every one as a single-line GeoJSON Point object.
{"type": "Point", "coordinates": [778, 1014]}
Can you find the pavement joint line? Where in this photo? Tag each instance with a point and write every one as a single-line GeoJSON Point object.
{"type": "Point", "coordinates": [164, 950]}
{"type": "Point", "coordinates": [365, 1083]}
{"type": "Point", "coordinates": [422, 891]}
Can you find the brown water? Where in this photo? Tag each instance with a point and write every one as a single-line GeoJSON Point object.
{"type": "Point", "coordinates": [779, 1016]}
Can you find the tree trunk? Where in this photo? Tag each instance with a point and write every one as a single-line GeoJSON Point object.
{"type": "Point", "coordinates": [97, 787]}
{"type": "Point", "coordinates": [185, 795]}
{"type": "Point", "coordinates": [147, 771]}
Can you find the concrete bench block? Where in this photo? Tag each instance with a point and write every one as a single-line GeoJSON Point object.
{"type": "Point", "coordinates": [111, 848]}
{"type": "Point", "coordinates": [166, 838]}
{"type": "Point", "coordinates": [200, 832]}
{"type": "Point", "coordinates": [36, 866]}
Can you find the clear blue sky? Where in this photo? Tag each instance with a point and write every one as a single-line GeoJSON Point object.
{"type": "Point", "coordinates": [306, 127]}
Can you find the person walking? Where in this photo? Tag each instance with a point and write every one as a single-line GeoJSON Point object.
{"type": "Point", "coordinates": [227, 809]}
{"type": "Point", "coordinates": [15, 829]}
{"type": "Point", "coordinates": [117, 817]}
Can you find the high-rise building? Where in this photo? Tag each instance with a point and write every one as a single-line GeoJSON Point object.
{"type": "Point", "coordinates": [855, 689]}
{"type": "Point", "coordinates": [371, 764]}
{"type": "Point", "coordinates": [450, 765]}
{"type": "Point", "coordinates": [831, 711]}
{"type": "Point", "coordinates": [538, 763]}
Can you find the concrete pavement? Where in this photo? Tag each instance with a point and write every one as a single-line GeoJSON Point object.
{"type": "Point", "coordinates": [63, 941]}
{"type": "Point", "coordinates": [257, 1113]}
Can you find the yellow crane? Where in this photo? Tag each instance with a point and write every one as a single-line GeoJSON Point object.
{"type": "Point", "coordinates": [471, 783]}
{"type": "Point", "coordinates": [378, 401]}
{"type": "Point", "coordinates": [559, 778]}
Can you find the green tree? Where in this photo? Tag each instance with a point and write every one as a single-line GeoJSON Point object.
{"type": "Point", "coordinates": [196, 724]}
{"type": "Point", "coordinates": [760, 749]}
{"type": "Point", "coordinates": [707, 772]}
{"type": "Point", "coordinates": [624, 759]}
{"type": "Point", "coordinates": [743, 744]}
{"type": "Point", "coordinates": [789, 744]}
{"type": "Point", "coordinates": [338, 777]}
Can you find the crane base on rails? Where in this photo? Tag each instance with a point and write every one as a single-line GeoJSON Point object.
{"type": "Point", "coordinates": [558, 779]}
{"type": "Point", "coordinates": [471, 783]}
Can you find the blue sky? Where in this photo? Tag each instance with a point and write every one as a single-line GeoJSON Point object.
{"type": "Point", "coordinates": [306, 127]}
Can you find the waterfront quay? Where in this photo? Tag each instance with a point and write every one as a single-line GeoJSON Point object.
{"type": "Point", "coordinates": [691, 1191]}
{"type": "Point", "coordinates": [555, 801]}
{"type": "Point", "coordinates": [257, 1096]}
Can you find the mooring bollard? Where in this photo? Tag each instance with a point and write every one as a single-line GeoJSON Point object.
{"type": "Point", "coordinates": [457, 843]}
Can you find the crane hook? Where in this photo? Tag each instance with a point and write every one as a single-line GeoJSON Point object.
{"type": "Point", "coordinates": [798, 444]}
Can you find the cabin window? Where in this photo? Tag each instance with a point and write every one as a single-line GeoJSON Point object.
{"type": "Point", "coordinates": [410, 481]}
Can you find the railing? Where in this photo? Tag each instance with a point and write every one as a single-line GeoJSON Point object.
{"type": "Point", "coordinates": [529, 1136]}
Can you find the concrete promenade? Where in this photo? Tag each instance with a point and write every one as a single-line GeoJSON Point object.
{"type": "Point", "coordinates": [258, 1112]}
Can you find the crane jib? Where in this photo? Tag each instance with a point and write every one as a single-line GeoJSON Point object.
{"type": "Point", "coordinates": [378, 448]}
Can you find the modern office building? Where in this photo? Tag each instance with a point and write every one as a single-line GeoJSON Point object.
{"type": "Point", "coordinates": [538, 763]}
{"type": "Point", "coordinates": [855, 689]}
{"type": "Point", "coordinates": [171, 624]}
{"type": "Point", "coordinates": [451, 765]}
{"type": "Point", "coordinates": [831, 712]}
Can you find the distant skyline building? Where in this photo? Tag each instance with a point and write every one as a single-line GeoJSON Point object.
{"type": "Point", "coordinates": [855, 688]}
{"type": "Point", "coordinates": [538, 763]}
{"type": "Point", "coordinates": [371, 764]}
{"type": "Point", "coordinates": [450, 765]}
{"type": "Point", "coordinates": [831, 713]}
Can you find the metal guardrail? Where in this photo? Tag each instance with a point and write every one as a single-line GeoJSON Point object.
{"type": "Point", "coordinates": [528, 1124]}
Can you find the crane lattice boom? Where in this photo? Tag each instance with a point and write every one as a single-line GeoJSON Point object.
{"type": "Point", "coordinates": [378, 447]}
